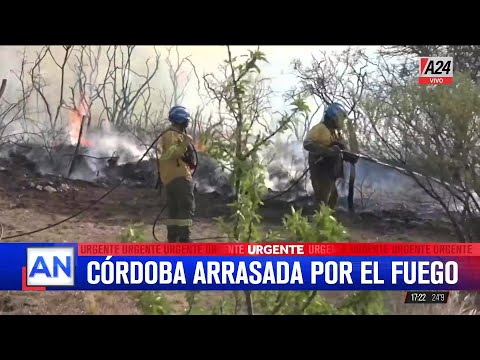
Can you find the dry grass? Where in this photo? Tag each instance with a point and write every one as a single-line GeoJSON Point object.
{"type": "Point", "coordinates": [207, 302]}
{"type": "Point", "coordinates": [108, 221]}
{"type": "Point", "coordinates": [67, 303]}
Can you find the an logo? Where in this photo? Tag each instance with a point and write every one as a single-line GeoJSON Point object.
{"type": "Point", "coordinates": [50, 266]}
{"type": "Point", "coordinates": [436, 71]}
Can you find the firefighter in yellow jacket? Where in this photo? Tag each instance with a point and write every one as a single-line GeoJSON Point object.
{"type": "Point", "coordinates": [175, 167]}
{"type": "Point", "coordinates": [325, 144]}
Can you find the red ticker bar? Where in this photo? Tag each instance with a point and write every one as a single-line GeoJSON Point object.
{"type": "Point", "coordinates": [279, 249]}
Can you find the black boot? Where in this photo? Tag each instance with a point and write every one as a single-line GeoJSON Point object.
{"type": "Point", "coordinates": [184, 234]}
{"type": "Point", "coordinates": [172, 233]}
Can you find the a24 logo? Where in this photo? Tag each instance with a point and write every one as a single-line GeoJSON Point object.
{"type": "Point", "coordinates": [435, 71]}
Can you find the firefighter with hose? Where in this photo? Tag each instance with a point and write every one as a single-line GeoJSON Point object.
{"type": "Point", "coordinates": [325, 145]}
{"type": "Point", "coordinates": [176, 166]}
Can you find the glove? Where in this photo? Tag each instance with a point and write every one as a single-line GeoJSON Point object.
{"type": "Point", "coordinates": [336, 150]}
{"type": "Point", "coordinates": [349, 157]}
{"type": "Point", "coordinates": [339, 144]}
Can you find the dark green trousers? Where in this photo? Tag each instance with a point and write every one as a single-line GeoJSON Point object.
{"type": "Point", "coordinates": [181, 208]}
{"type": "Point", "coordinates": [324, 174]}
{"type": "Point", "coordinates": [325, 191]}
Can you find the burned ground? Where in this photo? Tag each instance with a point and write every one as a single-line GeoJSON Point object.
{"type": "Point", "coordinates": [30, 200]}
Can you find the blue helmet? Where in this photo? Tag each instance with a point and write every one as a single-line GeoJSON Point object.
{"type": "Point", "coordinates": [179, 115]}
{"type": "Point", "coordinates": [335, 114]}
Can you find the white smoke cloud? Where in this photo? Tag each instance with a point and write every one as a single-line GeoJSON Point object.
{"type": "Point", "coordinates": [288, 159]}
{"type": "Point", "coordinates": [108, 141]}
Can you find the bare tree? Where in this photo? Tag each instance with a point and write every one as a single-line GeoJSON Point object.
{"type": "Point", "coordinates": [86, 71]}
{"type": "Point", "coordinates": [423, 130]}
{"type": "Point", "coordinates": [51, 130]}
{"type": "Point", "coordinates": [61, 64]}
{"type": "Point", "coordinates": [123, 87]}
{"type": "Point", "coordinates": [176, 69]}
{"type": "Point", "coordinates": [466, 58]}
{"type": "Point", "coordinates": [13, 114]}
{"type": "Point", "coordinates": [338, 78]}
{"type": "Point", "coordinates": [97, 83]}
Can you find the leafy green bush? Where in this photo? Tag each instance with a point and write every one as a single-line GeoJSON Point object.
{"type": "Point", "coordinates": [155, 303]}
{"type": "Point", "coordinates": [240, 94]}
{"type": "Point", "coordinates": [135, 233]}
{"type": "Point", "coordinates": [323, 227]}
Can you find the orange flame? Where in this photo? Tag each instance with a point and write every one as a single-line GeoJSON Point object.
{"type": "Point", "coordinates": [76, 123]}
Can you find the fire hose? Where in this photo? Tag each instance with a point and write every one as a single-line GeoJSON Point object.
{"type": "Point", "coordinates": [93, 203]}
{"type": "Point", "coordinates": [353, 158]}
{"type": "Point", "coordinates": [350, 157]}
{"type": "Point", "coordinates": [347, 156]}
{"type": "Point", "coordinates": [193, 163]}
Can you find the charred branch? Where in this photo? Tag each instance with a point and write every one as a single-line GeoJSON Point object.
{"type": "Point", "coordinates": [3, 87]}
{"type": "Point", "coordinates": [75, 154]}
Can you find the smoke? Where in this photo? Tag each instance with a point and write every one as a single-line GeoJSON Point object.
{"type": "Point", "coordinates": [108, 141]}
{"type": "Point", "coordinates": [285, 158]}
{"type": "Point", "coordinates": [376, 186]}
{"type": "Point", "coordinates": [211, 177]}
{"type": "Point", "coordinates": [382, 179]}
{"type": "Point", "coordinates": [286, 162]}
{"type": "Point", "coordinates": [105, 143]}
{"type": "Point", "coordinates": [35, 99]}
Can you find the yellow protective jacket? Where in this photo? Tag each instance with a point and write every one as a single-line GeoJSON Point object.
{"type": "Point", "coordinates": [171, 166]}
{"type": "Point", "coordinates": [322, 160]}
{"type": "Point", "coordinates": [321, 135]}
